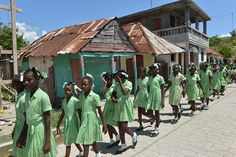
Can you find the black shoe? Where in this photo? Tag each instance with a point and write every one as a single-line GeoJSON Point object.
{"type": "Point", "coordinates": [179, 115]}
{"type": "Point", "coordinates": [175, 120]}
{"type": "Point", "coordinates": [151, 121]}
{"type": "Point", "coordinates": [140, 128]}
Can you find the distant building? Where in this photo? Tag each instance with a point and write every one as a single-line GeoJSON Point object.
{"type": "Point", "coordinates": [173, 22]}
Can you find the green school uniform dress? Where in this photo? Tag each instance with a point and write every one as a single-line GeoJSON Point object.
{"type": "Point", "coordinates": [109, 110]}
{"type": "Point", "coordinates": [154, 95]}
{"type": "Point", "coordinates": [175, 92]}
{"type": "Point", "coordinates": [124, 108]}
{"type": "Point", "coordinates": [20, 120]}
{"type": "Point", "coordinates": [205, 82]}
{"type": "Point", "coordinates": [216, 83]}
{"type": "Point", "coordinates": [90, 130]}
{"type": "Point", "coordinates": [35, 107]}
{"type": "Point", "coordinates": [192, 88]}
{"type": "Point", "coordinates": [71, 122]}
{"type": "Point", "coordinates": [141, 98]}
{"type": "Point", "coordinates": [223, 76]}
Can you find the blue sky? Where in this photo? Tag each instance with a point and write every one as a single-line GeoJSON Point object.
{"type": "Point", "coordinates": [41, 16]}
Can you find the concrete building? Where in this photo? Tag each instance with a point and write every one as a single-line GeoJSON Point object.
{"type": "Point", "coordinates": [178, 22]}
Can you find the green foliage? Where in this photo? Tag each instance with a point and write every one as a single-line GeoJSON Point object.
{"type": "Point", "coordinates": [8, 93]}
{"type": "Point", "coordinates": [215, 41]}
{"type": "Point", "coordinates": [6, 38]}
{"type": "Point", "coordinates": [234, 41]}
{"type": "Point", "coordinates": [224, 45]}
{"type": "Point", "coordinates": [225, 50]}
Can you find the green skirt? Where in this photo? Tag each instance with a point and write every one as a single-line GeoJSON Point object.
{"type": "Point", "coordinates": [141, 99]}
{"type": "Point", "coordinates": [90, 130]}
{"type": "Point", "coordinates": [108, 112]}
{"type": "Point", "coordinates": [17, 131]}
{"type": "Point", "coordinates": [36, 139]}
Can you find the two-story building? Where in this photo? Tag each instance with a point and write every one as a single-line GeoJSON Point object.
{"type": "Point", "coordinates": [178, 22]}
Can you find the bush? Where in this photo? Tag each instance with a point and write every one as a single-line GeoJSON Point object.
{"type": "Point", "coordinates": [8, 93]}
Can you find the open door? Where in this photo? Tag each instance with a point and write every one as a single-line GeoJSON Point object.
{"type": "Point", "coordinates": [76, 70]}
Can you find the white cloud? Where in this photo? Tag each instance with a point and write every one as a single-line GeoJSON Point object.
{"type": "Point", "coordinates": [225, 35]}
{"type": "Point", "coordinates": [44, 32]}
{"type": "Point", "coordinates": [29, 33]}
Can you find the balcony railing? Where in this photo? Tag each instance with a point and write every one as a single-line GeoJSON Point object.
{"type": "Point", "coordinates": [180, 30]}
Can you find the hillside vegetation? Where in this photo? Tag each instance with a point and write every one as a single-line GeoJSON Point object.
{"type": "Point", "coordinates": [224, 45]}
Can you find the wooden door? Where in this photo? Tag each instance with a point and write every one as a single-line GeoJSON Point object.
{"type": "Point", "coordinates": [76, 71]}
{"type": "Point", "coordinates": [50, 85]}
{"type": "Point", "coordinates": [130, 68]}
{"type": "Point", "coordinates": [158, 23]}
{"type": "Point", "coordinates": [191, 57]}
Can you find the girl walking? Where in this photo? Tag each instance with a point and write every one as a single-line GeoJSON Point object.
{"type": "Point", "coordinates": [40, 139]}
{"type": "Point", "coordinates": [177, 87]}
{"type": "Point", "coordinates": [69, 114]}
{"type": "Point", "coordinates": [216, 83]}
{"type": "Point", "coordinates": [156, 95]}
{"type": "Point", "coordinates": [205, 80]}
{"type": "Point", "coordinates": [109, 108]}
{"type": "Point", "coordinates": [141, 97]}
{"type": "Point", "coordinates": [123, 108]}
{"type": "Point", "coordinates": [90, 131]}
{"type": "Point", "coordinates": [193, 81]}
{"type": "Point", "coordinates": [17, 84]}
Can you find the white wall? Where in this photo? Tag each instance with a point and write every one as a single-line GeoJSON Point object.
{"type": "Point", "coordinates": [43, 64]}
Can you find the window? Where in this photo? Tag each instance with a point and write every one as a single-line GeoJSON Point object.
{"type": "Point", "coordinates": [202, 55]}
{"type": "Point", "coordinates": [172, 21]}
{"type": "Point", "coordinates": [172, 57]}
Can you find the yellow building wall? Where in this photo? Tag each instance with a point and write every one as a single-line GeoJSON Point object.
{"type": "Point", "coordinates": [123, 62]}
{"type": "Point", "coordinates": [148, 60]}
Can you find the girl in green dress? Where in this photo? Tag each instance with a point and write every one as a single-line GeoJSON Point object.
{"type": "Point", "coordinates": [156, 95]}
{"type": "Point", "coordinates": [216, 83]}
{"type": "Point", "coordinates": [141, 97]}
{"type": "Point", "coordinates": [206, 78]}
{"type": "Point", "coordinates": [90, 131]}
{"type": "Point", "coordinates": [40, 140]}
{"type": "Point", "coordinates": [193, 81]}
{"type": "Point", "coordinates": [123, 108]}
{"type": "Point", "coordinates": [109, 110]}
{"type": "Point", "coordinates": [71, 123]}
{"type": "Point", "coordinates": [223, 71]}
{"type": "Point", "coordinates": [17, 84]}
{"type": "Point", "coordinates": [177, 87]}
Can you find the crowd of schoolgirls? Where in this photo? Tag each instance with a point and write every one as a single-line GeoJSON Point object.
{"type": "Point", "coordinates": [33, 136]}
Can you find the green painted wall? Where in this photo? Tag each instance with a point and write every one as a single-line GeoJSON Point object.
{"type": "Point", "coordinates": [95, 66]}
{"type": "Point", "coordinates": [62, 72]}
{"type": "Point", "coordinates": [25, 64]}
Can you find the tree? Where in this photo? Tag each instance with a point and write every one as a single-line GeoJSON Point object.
{"type": "Point", "coordinates": [225, 50]}
{"type": "Point", "coordinates": [6, 38]}
{"type": "Point", "coordinates": [233, 33]}
{"type": "Point", "coordinates": [214, 41]}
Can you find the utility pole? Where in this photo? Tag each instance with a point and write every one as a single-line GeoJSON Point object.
{"type": "Point", "coordinates": [0, 82]}
{"type": "Point", "coordinates": [13, 24]}
{"type": "Point", "coordinates": [14, 43]}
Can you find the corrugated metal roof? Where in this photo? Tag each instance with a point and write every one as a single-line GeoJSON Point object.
{"type": "Point", "coordinates": [148, 42]}
{"type": "Point", "coordinates": [65, 40]}
{"type": "Point", "coordinates": [213, 52]}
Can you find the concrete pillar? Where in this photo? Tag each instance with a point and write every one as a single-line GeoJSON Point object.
{"type": "Point", "coordinates": [197, 23]}
{"type": "Point", "coordinates": [135, 73]}
{"type": "Point", "coordinates": [82, 65]}
{"type": "Point", "coordinates": [187, 51]}
{"type": "Point", "coordinates": [187, 16]}
{"type": "Point", "coordinates": [205, 27]}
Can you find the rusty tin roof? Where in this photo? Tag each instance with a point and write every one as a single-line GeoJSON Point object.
{"type": "Point", "coordinates": [70, 39]}
{"type": "Point", "coordinates": [213, 52]}
{"type": "Point", "coordinates": [148, 42]}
